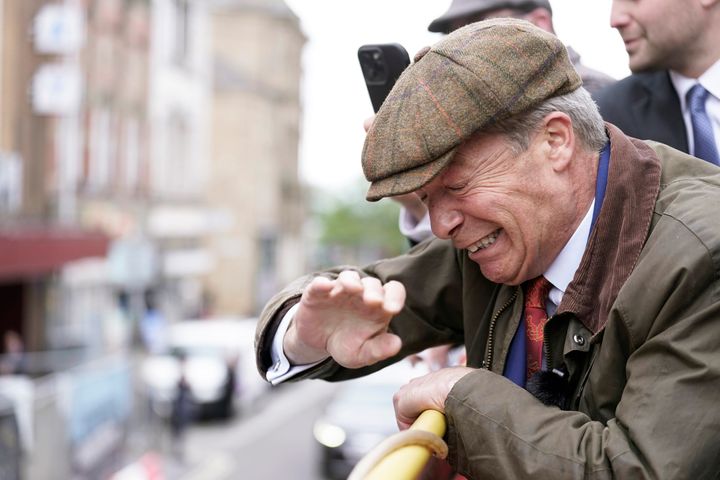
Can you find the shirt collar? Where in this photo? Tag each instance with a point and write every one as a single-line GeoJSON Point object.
{"type": "Point", "coordinates": [710, 80]}
{"type": "Point", "coordinates": [563, 268]}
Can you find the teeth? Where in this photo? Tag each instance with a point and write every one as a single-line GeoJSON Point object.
{"type": "Point", "coordinates": [484, 242]}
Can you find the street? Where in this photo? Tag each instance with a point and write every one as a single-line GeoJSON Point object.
{"type": "Point", "coordinates": [273, 442]}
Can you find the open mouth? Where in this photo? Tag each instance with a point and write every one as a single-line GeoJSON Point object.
{"type": "Point", "coordinates": [484, 242]}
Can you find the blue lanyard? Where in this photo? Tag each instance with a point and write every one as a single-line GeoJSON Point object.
{"type": "Point", "coordinates": [515, 365]}
{"type": "Point", "coordinates": [601, 183]}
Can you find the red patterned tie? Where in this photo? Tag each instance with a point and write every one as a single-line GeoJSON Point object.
{"type": "Point", "coordinates": [536, 293]}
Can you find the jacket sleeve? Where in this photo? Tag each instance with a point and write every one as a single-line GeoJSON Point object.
{"type": "Point", "coordinates": [432, 316]}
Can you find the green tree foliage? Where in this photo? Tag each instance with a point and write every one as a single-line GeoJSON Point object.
{"type": "Point", "coordinates": [354, 231]}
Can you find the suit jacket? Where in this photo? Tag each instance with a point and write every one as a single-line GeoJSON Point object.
{"type": "Point", "coordinates": [645, 106]}
{"type": "Point", "coordinates": [593, 80]}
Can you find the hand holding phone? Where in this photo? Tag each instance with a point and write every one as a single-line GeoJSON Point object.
{"type": "Point", "coordinates": [381, 66]}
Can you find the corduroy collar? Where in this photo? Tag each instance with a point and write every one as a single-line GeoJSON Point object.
{"type": "Point", "coordinates": [620, 232]}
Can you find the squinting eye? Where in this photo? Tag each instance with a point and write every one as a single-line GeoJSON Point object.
{"type": "Point", "coordinates": [455, 188]}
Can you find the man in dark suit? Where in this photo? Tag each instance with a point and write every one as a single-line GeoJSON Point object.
{"type": "Point", "coordinates": [672, 46]}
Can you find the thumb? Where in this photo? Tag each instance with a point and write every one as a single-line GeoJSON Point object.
{"type": "Point", "coordinates": [379, 347]}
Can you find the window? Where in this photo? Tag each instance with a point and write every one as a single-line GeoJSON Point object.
{"type": "Point", "coordinates": [181, 27]}
{"type": "Point", "coordinates": [10, 183]}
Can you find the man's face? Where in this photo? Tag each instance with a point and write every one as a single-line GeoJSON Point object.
{"type": "Point", "coordinates": [658, 34]}
{"type": "Point", "coordinates": [498, 207]}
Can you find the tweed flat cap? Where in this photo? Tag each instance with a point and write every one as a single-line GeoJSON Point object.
{"type": "Point", "coordinates": [475, 8]}
{"type": "Point", "coordinates": [474, 77]}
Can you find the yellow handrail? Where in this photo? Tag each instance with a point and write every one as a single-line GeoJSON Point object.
{"type": "Point", "coordinates": [407, 462]}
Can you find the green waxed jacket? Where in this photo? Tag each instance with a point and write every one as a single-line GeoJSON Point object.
{"type": "Point", "coordinates": [638, 331]}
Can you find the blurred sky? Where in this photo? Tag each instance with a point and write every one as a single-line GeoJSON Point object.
{"type": "Point", "coordinates": [335, 100]}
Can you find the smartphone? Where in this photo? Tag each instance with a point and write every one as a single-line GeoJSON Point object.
{"type": "Point", "coordinates": [381, 66]}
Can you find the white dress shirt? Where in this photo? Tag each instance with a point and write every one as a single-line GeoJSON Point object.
{"type": "Point", "coordinates": [417, 231]}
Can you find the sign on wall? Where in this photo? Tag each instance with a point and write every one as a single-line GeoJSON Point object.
{"type": "Point", "coordinates": [59, 29]}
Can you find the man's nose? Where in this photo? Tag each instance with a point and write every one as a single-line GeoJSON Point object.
{"type": "Point", "coordinates": [619, 17]}
{"type": "Point", "coordinates": [445, 222]}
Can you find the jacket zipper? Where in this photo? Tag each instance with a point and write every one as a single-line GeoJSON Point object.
{"type": "Point", "coordinates": [546, 347]}
{"type": "Point", "coordinates": [491, 333]}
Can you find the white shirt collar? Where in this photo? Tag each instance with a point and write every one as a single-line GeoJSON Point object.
{"type": "Point", "coordinates": [710, 79]}
{"type": "Point", "coordinates": [563, 268]}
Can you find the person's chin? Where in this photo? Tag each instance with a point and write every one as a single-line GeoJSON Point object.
{"type": "Point", "coordinates": [500, 278]}
{"type": "Point", "coordinates": [639, 62]}
{"type": "Point", "coordinates": [639, 68]}
{"type": "Point", "coordinates": [496, 273]}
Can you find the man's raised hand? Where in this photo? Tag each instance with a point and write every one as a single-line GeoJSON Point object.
{"type": "Point", "coordinates": [347, 319]}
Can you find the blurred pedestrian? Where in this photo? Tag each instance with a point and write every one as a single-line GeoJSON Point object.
{"type": "Point", "coordinates": [12, 361]}
{"type": "Point", "coordinates": [227, 401]}
{"type": "Point", "coordinates": [153, 325]}
{"type": "Point", "coordinates": [182, 413]}
{"type": "Point", "coordinates": [673, 94]}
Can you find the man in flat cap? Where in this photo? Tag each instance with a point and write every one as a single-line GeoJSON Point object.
{"type": "Point", "coordinates": [579, 267]}
{"type": "Point", "coordinates": [414, 223]}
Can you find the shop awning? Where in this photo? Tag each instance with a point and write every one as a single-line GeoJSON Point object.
{"type": "Point", "coordinates": [27, 251]}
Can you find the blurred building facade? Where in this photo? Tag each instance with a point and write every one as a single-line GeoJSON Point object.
{"type": "Point", "coordinates": [179, 218]}
{"type": "Point", "coordinates": [41, 84]}
{"type": "Point", "coordinates": [257, 46]}
{"type": "Point", "coordinates": [159, 140]}
{"type": "Point", "coordinates": [146, 146]}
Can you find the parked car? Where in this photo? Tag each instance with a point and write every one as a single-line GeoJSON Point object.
{"type": "Point", "coordinates": [360, 416]}
{"type": "Point", "coordinates": [217, 360]}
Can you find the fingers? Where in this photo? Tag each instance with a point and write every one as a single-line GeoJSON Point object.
{"type": "Point", "coordinates": [394, 297]}
{"type": "Point", "coordinates": [349, 316]}
{"type": "Point", "coordinates": [317, 291]}
{"type": "Point", "coordinates": [403, 423]}
{"type": "Point", "coordinates": [320, 285]}
{"type": "Point", "coordinates": [406, 407]}
{"type": "Point", "coordinates": [391, 296]}
{"type": "Point", "coordinates": [347, 281]}
{"type": "Point", "coordinates": [367, 123]}
{"type": "Point", "coordinates": [373, 293]}
{"type": "Point", "coordinates": [426, 392]}
{"type": "Point", "coordinates": [322, 288]}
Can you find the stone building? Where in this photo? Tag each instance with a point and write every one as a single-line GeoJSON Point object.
{"type": "Point", "coordinates": [256, 49]}
{"type": "Point", "coordinates": [145, 146]}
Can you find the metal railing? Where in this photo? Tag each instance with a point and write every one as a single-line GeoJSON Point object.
{"type": "Point", "coordinates": [404, 455]}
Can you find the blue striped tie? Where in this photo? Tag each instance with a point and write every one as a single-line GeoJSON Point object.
{"type": "Point", "coordinates": [704, 139]}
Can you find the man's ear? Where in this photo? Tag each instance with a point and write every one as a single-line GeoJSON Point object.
{"type": "Point", "coordinates": [560, 139]}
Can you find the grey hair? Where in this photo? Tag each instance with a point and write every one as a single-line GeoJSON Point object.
{"type": "Point", "coordinates": [587, 123]}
